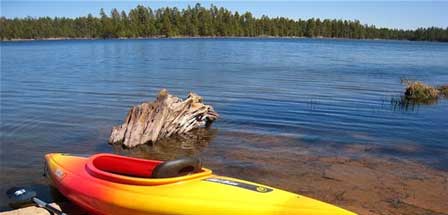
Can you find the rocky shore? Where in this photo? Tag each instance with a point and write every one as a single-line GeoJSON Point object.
{"type": "Point", "coordinates": [350, 176]}
{"type": "Point", "coordinates": [30, 210]}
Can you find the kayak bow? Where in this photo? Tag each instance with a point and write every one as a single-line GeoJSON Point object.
{"type": "Point", "coordinates": [113, 184]}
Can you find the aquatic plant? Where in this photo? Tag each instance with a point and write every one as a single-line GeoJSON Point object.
{"type": "Point", "coordinates": [420, 92]}
{"type": "Point", "coordinates": [443, 90]}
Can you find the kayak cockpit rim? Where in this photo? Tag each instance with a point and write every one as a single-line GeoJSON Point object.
{"type": "Point", "coordinates": [95, 167]}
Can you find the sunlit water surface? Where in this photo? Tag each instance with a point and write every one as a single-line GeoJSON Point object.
{"type": "Point", "coordinates": [65, 96]}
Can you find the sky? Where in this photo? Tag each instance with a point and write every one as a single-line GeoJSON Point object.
{"type": "Point", "coordinates": [390, 14]}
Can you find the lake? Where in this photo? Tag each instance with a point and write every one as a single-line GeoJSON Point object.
{"type": "Point", "coordinates": [65, 96]}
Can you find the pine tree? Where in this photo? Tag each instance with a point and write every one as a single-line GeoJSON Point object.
{"type": "Point", "coordinates": [199, 21]}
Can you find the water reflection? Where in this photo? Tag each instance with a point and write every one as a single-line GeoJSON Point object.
{"type": "Point", "coordinates": [65, 96]}
{"type": "Point", "coordinates": [403, 103]}
{"type": "Point", "coordinates": [189, 144]}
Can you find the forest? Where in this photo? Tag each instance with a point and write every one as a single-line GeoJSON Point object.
{"type": "Point", "coordinates": [198, 21]}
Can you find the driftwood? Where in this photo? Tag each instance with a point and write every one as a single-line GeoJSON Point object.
{"type": "Point", "coordinates": [168, 115]}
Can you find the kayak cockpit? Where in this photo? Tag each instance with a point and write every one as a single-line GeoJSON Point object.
{"type": "Point", "coordinates": [127, 170]}
{"type": "Point", "coordinates": [124, 166]}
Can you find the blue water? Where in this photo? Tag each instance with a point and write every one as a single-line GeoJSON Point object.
{"type": "Point", "coordinates": [66, 95]}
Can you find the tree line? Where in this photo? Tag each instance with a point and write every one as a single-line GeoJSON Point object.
{"type": "Point", "coordinates": [198, 21]}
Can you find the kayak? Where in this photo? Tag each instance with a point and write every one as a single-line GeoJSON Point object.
{"type": "Point", "coordinates": [113, 184]}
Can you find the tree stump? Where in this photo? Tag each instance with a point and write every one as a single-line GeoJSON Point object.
{"type": "Point", "coordinates": [166, 116]}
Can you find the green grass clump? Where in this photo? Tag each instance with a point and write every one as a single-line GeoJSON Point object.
{"type": "Point", "coordinates": [419, 91]}
{"type": "Point", "coordinates": [443, 90]}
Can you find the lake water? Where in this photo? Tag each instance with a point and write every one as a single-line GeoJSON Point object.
{"type": "Point", "coordinates": [65, 96]}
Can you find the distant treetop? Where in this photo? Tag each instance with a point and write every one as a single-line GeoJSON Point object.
{"type": "Point", "coordinates": [197, 21]}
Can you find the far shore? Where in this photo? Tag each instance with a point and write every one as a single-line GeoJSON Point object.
{"type": "Point", "coordinates": [196, 37]}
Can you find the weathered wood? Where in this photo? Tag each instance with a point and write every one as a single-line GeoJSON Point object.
{"type": "Point", "coordinates": [30, 210]}
{"type": "Point", "coordinates": [66, 207]}
{"type": "Point", "coordinates": [167, 115]}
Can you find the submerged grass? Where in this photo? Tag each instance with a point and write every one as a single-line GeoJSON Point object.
{"type": "Point", "coordinates": [443, 90]}
{"type": "Point", "coordinates": [418, 93]}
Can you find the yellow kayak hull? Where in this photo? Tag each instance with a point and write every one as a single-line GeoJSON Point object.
{"type": "Point", "coordinates": [201, 193]}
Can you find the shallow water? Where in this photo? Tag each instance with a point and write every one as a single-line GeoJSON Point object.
{"type": "Point", "coordinates": [65, 96]}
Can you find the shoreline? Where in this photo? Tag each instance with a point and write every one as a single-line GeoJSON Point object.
{"type": "Point", "coordinates": [350, 177]}
{"type": "Point", "coordinates": [206, 37]}
{"type": "Point", "coordinates": [366, 185]}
